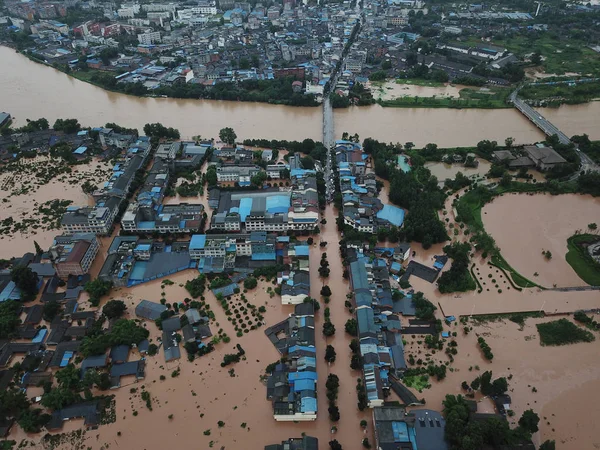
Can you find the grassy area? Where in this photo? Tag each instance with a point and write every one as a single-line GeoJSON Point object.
{"type": "Point", "coordinates": [579, 259]}
{"type": "Point", "coordinates": [517, 278]}
{"type": "Point", "coordinates": [562, 93]}
{"type": "Point", "coordinates": [562, 332]}
{"type": "Point", "coordinates": [419, 82]}
{"type": "Point", "coordinates": [561, 55]}
{"type": "Point", "coordinates": [517, 317]}
{"type": "Point", "coordinates": [418, 382]}
{"type": "Point", "coordinates": [479, 286]}
{"type": "Point", "coordinates": [469, 98]}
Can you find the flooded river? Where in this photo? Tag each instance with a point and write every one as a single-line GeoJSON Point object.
{"type": "Point", "coordinates": [30, 90]}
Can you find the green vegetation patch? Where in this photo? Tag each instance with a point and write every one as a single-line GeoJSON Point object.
{"type": "Point", "coordinates": [488, 98]}
{"type": "Point", "coordinates": [562, 332]}
{"type": "Point", "coordinates": [418, 382]}
{"type": "Point", "coordinates": [558, 94]}
{"type": "Point", "coordinates": [419, 82]}
{"type": "Point", "coordinates": [517, 317]}
{"type": "Point", "coordinates": [560, 55]}
{"type": "Point", "coordinates": [580, 260]}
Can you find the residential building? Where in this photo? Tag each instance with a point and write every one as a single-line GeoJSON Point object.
{"type": "Point", "coordinates": [74, 254]}
{"type": "Point", "coordinates": [241, 175]}
{"type": "Point", "coordinates": [291, 387]}
{"type": "Point", "coordinates": [149, 38]}
{"type": "Point", "coordinates": [421, 429]}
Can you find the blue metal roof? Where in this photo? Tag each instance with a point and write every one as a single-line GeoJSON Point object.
{"type": "Point", "coordinates": [245, 207]}
{"type": "Point", "coordinates": [304, 385]}
{"type": "Point", "coordinates": [277, 204]}
{"type": "Point", "coordinates": [197, 242]}
{"type": "Point", "coordinates": [392, 214]}
{"type": "Point", "coordinates": [302, 250]}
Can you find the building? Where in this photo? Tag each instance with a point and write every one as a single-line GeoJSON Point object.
{"type": "Point", "coordinates": [74, 254]}
{"type": "Point", "coordinates": [149, 38]}
{"type": "Point", "coordinates": [276, 171]}
{"type": "Point", "coordinates": [148, 215]}
{"type": "Point", "coordinates": [421, 429]}
{"type": "Point", "coordinates": [381, 345]}
{"type": "Point", "coordinates": [544, 158]}
{"type": "Point", "coordinates": [303, 443]}
{"type": "Point", "coordinates": [97, 219]}
{"type": "Point", "coordinates": [291, 387]}
{"type": "Point", "coordinates": [241, 175]}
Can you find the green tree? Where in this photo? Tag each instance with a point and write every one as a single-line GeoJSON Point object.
{"type": "Point", "coordinates": [26, 281]}
{"type": "Point", "coordinates": [97, 289]}
{"type": "Point", "coordinates": [330, 354]}
{"type": "Point", "coordinates": [351, 327]}
{"type": "Point", "coordinates": [13, 402]}
{"type": "Point", "coordinates": [250, 283]}
{"type": "Point", "coordinates": [9, 318]}
{"type": "Point", "coordinates": [548, 445]}
{"type": "Point", "coordinates": [529, 421]}
{"type": "Point", "coordinates": [38, 249]}
{"type": "Point", "coordinates": [32, 420]}
{"type": "Point", "coordinates": [328, 329]}
{"type": "Point", "coordinates": [227, 135]}
{"type": "Point", "coordinates": [211, 176]}
{"type": "Point", "coordinates": [326, 291]}
{"type": "Point", "coordinates": [114, 309]}
{"type": "Point", "coordinates": [59, 398]}
{"type": "Point", "coordinates": [51, 309]}
{"type": "Point", "coordinates": [68, 377]}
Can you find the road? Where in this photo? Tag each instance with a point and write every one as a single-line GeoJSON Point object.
{"type": "Point", "coordinates": [328, 123]}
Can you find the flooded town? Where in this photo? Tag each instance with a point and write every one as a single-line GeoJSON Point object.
{"type": "Point", "coordinates": [299, 225]}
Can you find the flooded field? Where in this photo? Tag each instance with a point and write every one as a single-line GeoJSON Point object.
{"type": "Point", "coordinates": [442, 170]}
{"type": "Point", "coordinates": [538, 377]}
{"type": "Point", "coordinates": [32, 185]}
{"type": "Point", "coordinates": [391, 90]}
{"type": "Point", "coordinates": [525, 225]}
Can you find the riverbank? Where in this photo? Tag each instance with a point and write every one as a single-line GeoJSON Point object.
{"type": "Point", "coordinates": [31, 90]}
{"type": "Point", "coordinates": [278, 91]}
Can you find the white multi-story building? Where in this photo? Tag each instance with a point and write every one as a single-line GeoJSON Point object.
{"type": "Point", "coordinates": [149, 38]}
{"type": "Point", "coordinates": [97, 219]}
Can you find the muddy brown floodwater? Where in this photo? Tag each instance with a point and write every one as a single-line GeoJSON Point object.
{"type": "Point", "coordinates": [204, 393]}
{"type": "Point", "coordinates": [558, 383]}
{"type": "Point", "coordinates": [31, 90]}
{"type": "Point", "coordinates": [525, 225]}
{"type": "Point", "coordinates": [24, 204]}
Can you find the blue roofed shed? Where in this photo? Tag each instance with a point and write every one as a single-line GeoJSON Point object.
{"type": "Point", "coordinates": [392, 214]}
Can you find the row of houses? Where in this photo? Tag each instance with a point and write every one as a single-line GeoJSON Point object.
{"type": "Point", "coordinates": [292, 385]}
{"type": "Point", "coordinates": [148, 214]}
{"type": "Point", "coordinates": [362, 210]}
{"type": "Point", "coordinates": [378, 311]}
{"type": "Point", "coordinates": [131, 260]}
{"type": "Point", "coordinates": [99, 219]}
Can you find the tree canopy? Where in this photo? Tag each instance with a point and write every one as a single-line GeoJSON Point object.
{"type": "Point", "coordinates": [26, 281]}
{"type": "Point", "coordinates": [227, 135]}
{"type": "Point", "coordinates": [123, 332]}
{"type": "Point", "coordinates": [114, 309]}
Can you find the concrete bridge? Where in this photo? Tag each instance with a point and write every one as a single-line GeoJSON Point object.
{"type": "Point", "coordinates": [538, 120]}
{"type": "Point", "coordinates": [549, 130]}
